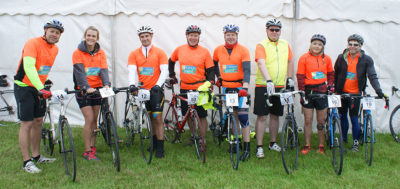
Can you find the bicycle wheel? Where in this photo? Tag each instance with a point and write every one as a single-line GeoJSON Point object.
{"type": "Point", "coordinates": [129, 122]}
{"type": "Point", "coordinates": [337, 146]}
{"type": "Point", "coordinates": [198, 137]}
{"type": "Point", "coordinates": [289, 143]}
{"type": "Point", "coordinates": [369, 139]}
{"type": "Point", "coordinates": [171, 125]}
{"type": "Point", "coordinates": [146, 136]}
{"type": "Point", "coordinates": [233, 142]}
{"type": "Point", "coordinates": [215, 125]}
{"type": "Point", "coordinates": [67, 148]}
{"type": "Point", "coordinates": [112, 141]}
{"type": "Point", "coordinates": [47, 134]}
{"type": "Point", "coordinates": [394, 123]}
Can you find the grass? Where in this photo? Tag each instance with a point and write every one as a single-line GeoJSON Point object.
{"type": "Point", "coordinates": [181, 169]}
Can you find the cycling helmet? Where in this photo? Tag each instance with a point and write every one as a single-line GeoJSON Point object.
{"type": "Point", "coordinates": [54, 24]}
{"type": "Point", "coordinates": [318, 37]}
{"type": "Point", "coordinates": [193, 29]}
{"type": "Point", "coordinates": [231, 28]}
{"type": "Point", "coordinates": [356, 37]}
{"type": "Point", "coordinates": [274, 22]}
{"type": "Point", "coordinates": [144, 29]}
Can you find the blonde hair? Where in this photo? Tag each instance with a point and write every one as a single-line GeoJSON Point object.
{"type": "Point", "coordinates": [94, 29]}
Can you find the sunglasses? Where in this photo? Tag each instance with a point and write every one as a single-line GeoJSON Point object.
{"type": "Point", "coordinates": [354, 44]}
{"type": "Point", "coordinates": [274, 30]}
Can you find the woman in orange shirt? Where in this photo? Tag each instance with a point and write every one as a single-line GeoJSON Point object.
{"type": "Point", "coordinates": [314, 75]}
{"type": "Point", "coordinates": [90, 72]}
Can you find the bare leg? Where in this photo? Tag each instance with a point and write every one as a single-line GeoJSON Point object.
{"type": "Point", "coordinates": [308, 119]}
{"type": "Point", "coordinates": [260, 128]}
{"type": "Point", "coordinates": [36, 133]}
{"type": "Point", "coordinates": [96, 110]}
{"type": "Point", "coordinates": [321, 118]}
{"type": "Point", "coordinates": [157, 126]}
{"type": "Point", "coordinates": [25, 139]}
{"type": "Point", "coordinates": [88, 114]}
{"type": "Point", "coordinates": [273, 127]}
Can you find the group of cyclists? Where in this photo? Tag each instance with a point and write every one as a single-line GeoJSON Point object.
{"type": "Point", "coordinates": [229, 68]}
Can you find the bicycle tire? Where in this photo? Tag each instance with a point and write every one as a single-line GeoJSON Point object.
{"type": "Point", "coordinates": [198, 137]}
{"type": "Point", "coordinates": [233, 144]}
{"type": "Point", "coordinates": [171, 125]}
{"type": "Point", "coordinates": [215, 125]}
{"type": "Point", "coordinates": [129, 122]}
{"type": "Point", "coordinates": [369, 140]}
{"type": "Point", "coordinates": [146, 136]}
{"type": "Point", "coordinates": [290, 146]}
{"type": "Point", "coordinates": [337, 146]}
{"type": "Point", "coordinates": [112, 141]}
{"type": "Point", "coordinates": [47, 134]}
{"type": "Point", "coordinates": [67, 148]}
{"type": "Point", "coordinates": [394, 123]}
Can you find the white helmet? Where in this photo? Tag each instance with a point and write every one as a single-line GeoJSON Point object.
{"type": "Point", "coordinates": [144, 29]}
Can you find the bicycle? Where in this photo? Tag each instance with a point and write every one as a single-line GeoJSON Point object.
{"type": "Point", "coordinates": [174, 122]}
{"type": "Point", "coordinates": [394, 122]}
{"type": "Point", "coordinates": [7, 108]}
{"type": "Point", "coordinates": [61, 134]}
{"type": "Point", "coordinates": [289, 135]}
{"type": "Point", "coordinates": [137, 120]}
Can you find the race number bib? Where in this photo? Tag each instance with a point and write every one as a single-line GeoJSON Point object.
{"type": "Point", "coordinates": [334, 101]}
{"type": "Point", "coordinates": [106, 92]}
{"type": "Point", "coordinates": [232, 99]}
{"type": "Point", "coordinates": [143, 95]}
{"type": "Point", "coordinates": [192, 97]}
{"type": "Point", "coordinates": [368, 103]}
{"type": "Point", "coordinates": [286, 98]}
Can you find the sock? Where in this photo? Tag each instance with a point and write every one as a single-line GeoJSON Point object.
{"type": "Point", "coordinates": [36, 158]}
{"type": "Point", "coordinates": [259, 146]}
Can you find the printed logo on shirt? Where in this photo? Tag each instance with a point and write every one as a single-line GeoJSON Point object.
{"type": "Point", "coordinates": [92, 71]}
{"type": "Point", "coordinates": [146, 71]}
{"type": "Point", "coordinates": [188, 69]}
{"type": "Point", "coordinates": [44, 70]}
{"type": "Point", "coordinates": [318, 75]}
{"type": "Point", "coordinates": [351, 76]}
{"type": "Point", "coordinates": [230, 68]}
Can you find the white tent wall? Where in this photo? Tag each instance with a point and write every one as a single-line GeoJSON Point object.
{"type": "Point", "coordinates": [117, 21]}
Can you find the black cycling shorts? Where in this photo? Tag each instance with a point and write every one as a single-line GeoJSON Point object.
{"type": "Point", "coordinates": [260, 105]}
{"type": "Point", "coordinates": [91, 100]}
{"type": "Point", "coordinates": [29, 104]}
{"type": "Point", "coordinates": [156, 102]}
{"type": "Point", "coordinates": [184, 106]}
{"type": "Point", "coordinates": [317, 103]}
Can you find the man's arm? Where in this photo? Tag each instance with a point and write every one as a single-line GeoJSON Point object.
{"type": "Point", "coordinates": [263, 69]}
{"type": "Point", "coordinates": [247, 73]}
{"type": "Point", "coordinates": [373, 77]}
{"type": "Point", "coordinates": [171, 68]}
{"type": "Point", "coordinates": [290, 68]}
{"type": "Point", "coordinates": [31, 72]}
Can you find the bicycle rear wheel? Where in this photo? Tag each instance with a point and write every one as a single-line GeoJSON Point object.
{"type": "Point", "coordinates": [233, 142]}
{"type": "Point", "coordinates": [171, 125]}
{"type": "Point", "coordinates": [67, 148]}
{"type": "Point", "coordinates": [394, 123]}
{"type": "Point", "coordinates": [198, 137]}
{"type": "Point", "coordinates": [336, 146]}
{"type": "Point", "coordinates": [146, 136]}
{"type": "Point", "coordinates": [112, 141]}
{"type": "Point", "coordinates": [215, 125]}
{"type": "Point", "coordinates": [289, 143]}
{"type": "Point", "coordinates": [129, 123]}
{"type": "Point", "coordinates": [369, 140]}
{"type": "Point", "coordinates": [47, 134]}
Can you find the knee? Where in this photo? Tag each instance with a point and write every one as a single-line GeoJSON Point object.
{"type": "Point", "coordinates": [320, 127]}
{"type": "Point", "coordinates": [262, 118]}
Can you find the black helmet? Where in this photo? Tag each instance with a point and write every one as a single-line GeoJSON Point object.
{"type": "Point", "coordinates": [54, 24]}
{"type": "Point", "coordinates": [318, 37]}
{"type": "Point", "coordinates": [356, 37]}
{"type": "Point", "coordinates": [193, 29]}
{"type": "Point", "coordinates": [273, 22]}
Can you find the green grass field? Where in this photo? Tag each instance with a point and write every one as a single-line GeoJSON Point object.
{"type": "Point", "coordinates": [181, 169]}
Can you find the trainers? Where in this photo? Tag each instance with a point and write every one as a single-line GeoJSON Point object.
{"type": "Point", "coordinates": [93, 148]}
{"type": "Point", "coordinates": [260, 152]}
{"type": "Point", "coordinates": [321, 149]}
{"type": "Point", "coordinates": [30, 167]}
{"type": "Point", "coordinates": [306, 149]}
{"type": "Point", "coordinates": [354, 148]}
{"type": "Point", "coordinates": [90, 156]}
{"type": "Point", "coordinates": [274, 147]}
{"type": "Point", "coordinates": [43, 159]}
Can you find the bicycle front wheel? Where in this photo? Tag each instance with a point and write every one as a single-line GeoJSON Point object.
{"type": "Point", "coordinates": [289, 143]}
{"type": "Point", "coordinates": [171, 125]}
{"type": "Point", "coordinates": [47, 134]}
{"type": "Point", "coordinates": [394, 123]}
{"type": "Point", "coordinates": [198, 137]}
{"type": "Point", "coordinates": [146, 136]}
{"type": "Point", "coordinates": [67, 148]}
{"type": "Point", "coordinates": [113, 139]}
{"type": "Point", "coordinates": [369, 140]}
{"type": "Point", "coordinates": [215, 126]}
{"type": "Point", "coordinates": [233, 141]}
{"type": "Point", "coordinates": [336, 146]}
{"type": "Point", "coordinates": [129, 122]}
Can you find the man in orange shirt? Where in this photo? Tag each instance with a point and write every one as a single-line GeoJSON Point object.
{"type": "Point", "coordinates": [232, 65]}
{"type": "Point", "coordinates": [149, 64]}
{"type": "Point", "coordinates": [196, 70]}
{"type": "Point", "coordinates": [351, 70]}
{"type": "Point", "coordinates": [36, 61]}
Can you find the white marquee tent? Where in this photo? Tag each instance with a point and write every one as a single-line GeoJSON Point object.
{"type": "Point", "coordinates": [377, 21]}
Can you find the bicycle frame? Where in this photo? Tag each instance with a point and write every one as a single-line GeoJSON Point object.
{"type": "Point", "coordinates": [8, 107]}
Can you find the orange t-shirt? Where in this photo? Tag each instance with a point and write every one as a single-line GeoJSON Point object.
{"type": "Point", "coordinates": [260, 53]}
{"type": "Point", "coordinates": [148, 68]}
{"type": "Point", "coordinates": [315, 68]}
{"type": "Point", "coordinates": [92, 65]}
{"type": "Point", "coordinates": [193, 64]}
{"type": "Point", "coordinates": [44, 53]}
{"type": "Point", "coordinates": [351, 83]}
{"type": "Point", "coordinates": [230, 65]}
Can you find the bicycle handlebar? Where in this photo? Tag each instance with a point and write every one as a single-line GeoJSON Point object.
{"type": "Point", "coordinates": [279, 94]}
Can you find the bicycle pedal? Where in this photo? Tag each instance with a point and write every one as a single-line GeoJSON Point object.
{"type": "Point", "coordinates": [96, 130]}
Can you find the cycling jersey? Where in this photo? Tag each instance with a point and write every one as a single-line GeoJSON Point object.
{"type": "Point", "coordinates": [351, 83]}
{"type": "Point", "coordinates": [193, 64]}
{"type": "Point", "coordinates": [276, 56]}
{"type": "Point", "coordinates": [90, 68]}
{"type": "Point", "coordinates": [231, 64]}
{"type": "Point", "coordinates": [35, 64]}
